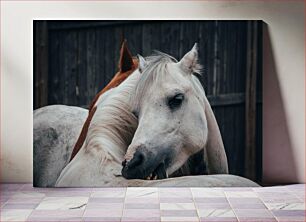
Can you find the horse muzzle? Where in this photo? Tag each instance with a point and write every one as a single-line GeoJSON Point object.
{"type": "Point", "coordinates": [144, 165]}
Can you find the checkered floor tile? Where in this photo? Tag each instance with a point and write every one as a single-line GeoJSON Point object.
{"type": "Point", "coordinates": [22, 202]}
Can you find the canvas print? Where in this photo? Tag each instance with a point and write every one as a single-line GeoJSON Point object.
{"type": "Point", "coordinates": [147, 103]}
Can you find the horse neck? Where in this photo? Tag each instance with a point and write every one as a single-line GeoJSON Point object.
{"type": "Point", "coordinates": [113, 125]}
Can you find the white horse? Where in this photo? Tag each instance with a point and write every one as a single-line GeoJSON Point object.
{"type": "Point", "coordinates": [55, 130]}
{"type": "Point", "coordinates": [175, 121]}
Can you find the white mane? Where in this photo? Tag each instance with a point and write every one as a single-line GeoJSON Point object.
{"type": "Point", "coordinates": [109, 134]}
{"type": "Point", "coordinates": [113, 121]}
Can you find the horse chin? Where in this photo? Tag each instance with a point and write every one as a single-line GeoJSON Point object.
{"type": "Point", "coordinates": [159, 173]}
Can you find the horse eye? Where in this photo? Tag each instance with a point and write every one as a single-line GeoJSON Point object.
{"type": "Point", "coordinates": [176, 101]}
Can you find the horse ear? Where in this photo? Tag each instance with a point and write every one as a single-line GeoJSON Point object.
{"type": "Point", "coordinates": [142, 63]}
{"type": "Point", "coordinates": [189, 63]}
{"type": "Point", "coordinates": [126, 61]}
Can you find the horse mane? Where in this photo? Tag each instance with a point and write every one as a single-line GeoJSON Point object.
{"type": "Point", "coordinates": [127, 65]}
{"type": "Point", "coordinates": [119, 77]}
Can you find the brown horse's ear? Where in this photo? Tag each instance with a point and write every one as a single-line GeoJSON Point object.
{"type": "Point", "coordinates": [126, 60]}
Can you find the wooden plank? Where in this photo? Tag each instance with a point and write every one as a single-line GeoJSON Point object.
{"type": "Point", "coordinates": [240, 141]}
{"type": "Point", "coordinates": [60, 94]}
{"type": "Point", "coordinates": [242, 57]}
{"type": "Point", "coordinates": [66, 66]}
{"type": "Point", "coordinates": [110, 63]}
{"type": "Point", "coordinates": [134, 35]}
{"type": "Point", "coordinates": [155, 37]}
{"type": "Point", "coordinates": [146, 39]}
{"type": "Point", "coordinates": [100, 60]}
{"type": "Point", "coordinates": [226, 99]}
{"type": "Point", "coordinates": [173, 42]}
{"type": "Point", "coordinates": [36, 77]}
{"type": "Point", "coordinates": [250, 105]}
{"type": "Point", "coordinates": [259, 135]}
{"type": "Point", "coordinates": [259, 111]}
{"type": "Point", "coordinates": [83, 25]}
{"type": "Point", "coordinates": [53, 63]}
{"type": "Point", "coordinates": [77, 69]}
{"type": "Point", "coordinates": [70, 64]}
{"type": "Point", "coordinates": [41, 64]}
{"type": "Point", "coordinates": [165, 38]}
{"type": "Point", "coordinates": [74, 91]}
{"type": "Point", "coordinates": [81, 68]}
{"type": "Point", "coordinates": [90, 68]}
{"type": "Point", "coordinates": [216, 70]}
{"type": "Point", "coordinates": [229, 33]}
{"type": "Point", "coordinates": [208, 57]}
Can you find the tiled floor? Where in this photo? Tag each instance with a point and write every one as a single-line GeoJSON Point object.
{"type": "Point", "coordinates": [22, 202]}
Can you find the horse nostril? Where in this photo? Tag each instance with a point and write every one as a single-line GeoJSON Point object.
{"type": "Point", "coordinates": [137, 160]}
{"type": "Point", "coordinates": [135, 167]}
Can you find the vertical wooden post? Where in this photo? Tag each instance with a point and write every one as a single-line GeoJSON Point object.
{"type": "Point", "coordinates": [40, 64]}
{"type": "Point", "coordinates": [250, 104]}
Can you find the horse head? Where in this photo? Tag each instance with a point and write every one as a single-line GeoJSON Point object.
{"type": "Point", "coordinates": [171, 107]}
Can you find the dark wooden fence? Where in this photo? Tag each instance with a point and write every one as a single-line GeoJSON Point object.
{"type": "Point", "coordinates": [73, 60]}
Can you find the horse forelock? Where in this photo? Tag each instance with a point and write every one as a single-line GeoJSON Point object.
{"type": "Point", "coordinates": [153, 73]}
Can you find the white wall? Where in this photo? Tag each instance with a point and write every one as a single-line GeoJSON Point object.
{"type": "Point", "coordinates": [284, 95]}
